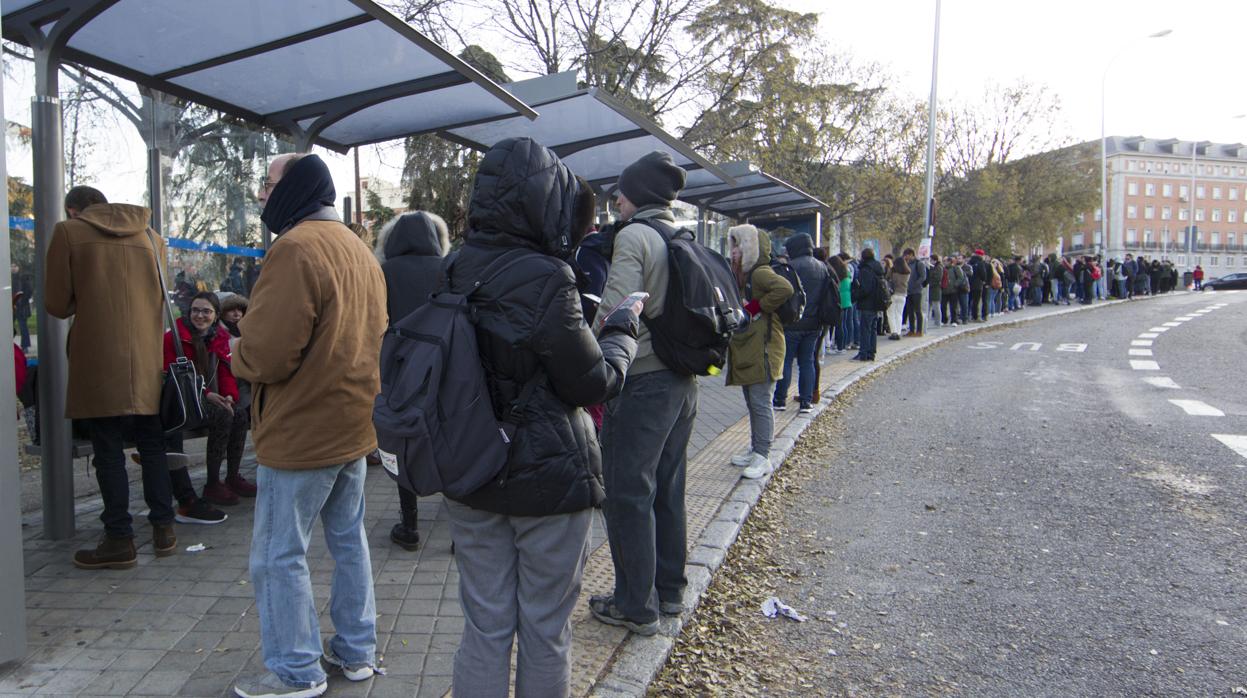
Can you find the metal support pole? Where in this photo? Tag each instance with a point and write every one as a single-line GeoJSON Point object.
{"type": "Point", "coordinates": [701, 225]}
{"type": "Point", "coordinates": [12, 574]}
{"type": "Point", "coordinates": [1190, 223]}
{"type": "Point", "coordinates": [155, 189]}
{"type": "Point", "coordinates": [928, 214]}
{"type": "Point", "coordinates": [49, 185]}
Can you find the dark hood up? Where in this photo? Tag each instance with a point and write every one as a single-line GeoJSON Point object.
{"type": "Point", "coordinates": [524, 193]}
{"type": "Point", "coordinates": [122, 220]}
{"type": "Point", "coordinates": [416, 234]}
{"type": "Point", "coordinates": [799, 245]}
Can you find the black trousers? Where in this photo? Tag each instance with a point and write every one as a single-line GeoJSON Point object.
{"type": "Point", "coordinates": [948, 309]}
{"type": "Point", "coordinates": [979, 300]}
{"type": "Point", "coordinates": [913, 311]}
{"type": "Point", "coordinates": [108, 443]}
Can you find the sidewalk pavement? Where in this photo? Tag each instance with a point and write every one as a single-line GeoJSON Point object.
{"type": "Point", "coordinates": [185, 625]}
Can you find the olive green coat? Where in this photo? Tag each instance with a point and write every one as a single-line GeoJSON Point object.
{"type": "Point", "coordinates": [757, 354]}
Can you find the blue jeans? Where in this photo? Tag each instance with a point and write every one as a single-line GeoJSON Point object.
{"type": "Point", "coordinates": [963, 300]}
{"type": "Point", "coordinates": [849, 317]}
{"type": "Point", "coordinates": [867, 339]}
{"type": "Point", "coordinates": [1014, 302]}
{"type": "Point", "coordinates": [802, 346]}
{"type": "Point", "coordinates": [842, 330]}
{"type": "Point", "coordinates": [286, 508]}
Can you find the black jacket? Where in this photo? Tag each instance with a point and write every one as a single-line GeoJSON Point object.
{"type": "Point", "coordinates": [869, 276]}
{"type": "Point", "coordinates": [813, 275]}
{"type": "Point", "coordinates": [982, 274]}
{"type": "Point", "coordinates": [530, 327]}
{"type": "Point", "coordinates": [411, 249]}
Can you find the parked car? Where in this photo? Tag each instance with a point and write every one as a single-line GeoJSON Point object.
{"type": "Point", "coordinates": [1227, 282]}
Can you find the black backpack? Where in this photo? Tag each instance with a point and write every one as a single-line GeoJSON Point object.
{"type": "Point", "coordinates": [829, 302]}
{"type": "Point", "coordinates": [793, 308]}
{"type": "Point", "coordinates": [702, 308]}
{"type": "Point", "coordinates": [436, 424]}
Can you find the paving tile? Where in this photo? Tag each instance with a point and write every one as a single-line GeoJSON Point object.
{"type": "Point", "coordinates": [113, 683]}
{"type": "Point", "coordinates": [160, 683]}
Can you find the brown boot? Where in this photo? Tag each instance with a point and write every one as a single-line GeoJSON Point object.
{"type": "Point", "coordinates": [111, 553]}
{"type": "Point", "coordinates": [164, 541]}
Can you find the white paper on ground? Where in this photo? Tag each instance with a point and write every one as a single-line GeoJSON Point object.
{"type": "Point", "coordinates": [773, 607]}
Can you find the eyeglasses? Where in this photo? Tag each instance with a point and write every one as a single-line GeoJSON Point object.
{"type": "Point", "coordinates": [268, 185]}
{"type": "Point", "coordinates": [202, 311]}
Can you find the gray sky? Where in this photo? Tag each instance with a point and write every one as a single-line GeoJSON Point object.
{"type": "Point", "coordinates": [1182, 86]}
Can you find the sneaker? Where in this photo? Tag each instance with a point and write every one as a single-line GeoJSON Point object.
{"type": "Point", "coordinates": [894, 337]}
{"type": "Point", "coordinates": [671, 608]}
{"type": "Point", "coordinates": [760, 466]}
{"type": "Point", "coordinates": [743, 458]}
{"type": "Point", "coordinates": [404, 537]}
{"type": "Point", "coordinates": [363, 672]}
{"type": "Point", "coordinates": [779, 406]}
{"type": "Point", "coordinates": [269, 686]}
{"type": "Point", "coordinates": [806, 408]}
{"type": "Point", "coordinates": [603, 608]}
{"type": "Point", "coordinates": [952, 324]}
{"type": "Point", "coordinates": [240, 486]}
{"type": "Point", "coordinates": [220, 494]}
{"type": "Point", "coordinates": [111, 553]}
{"type": "Point", "coordinates": [200, 512]}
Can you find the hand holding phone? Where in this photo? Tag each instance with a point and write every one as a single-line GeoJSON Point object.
{"type": "Point", "coordinates": [635, 301]}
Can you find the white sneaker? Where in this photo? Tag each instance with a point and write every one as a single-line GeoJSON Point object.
{"type": "Point", "coordinates": [743, 458]}
{"type": "Point", "coordinates": [358, 673]}
{"type": "Point", "coordinates": [759, 466]}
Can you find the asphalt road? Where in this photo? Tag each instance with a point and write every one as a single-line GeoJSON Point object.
{"type": "Point", "coordinates": [1021, 512]}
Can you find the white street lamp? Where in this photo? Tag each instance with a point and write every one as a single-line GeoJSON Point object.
{"type": "Point", "coordinates": [1105, 228]}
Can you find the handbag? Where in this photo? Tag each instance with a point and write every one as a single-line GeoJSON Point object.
{"type": "Point", "coordinates": [181, 393]}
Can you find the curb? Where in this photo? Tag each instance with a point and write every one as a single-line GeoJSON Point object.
{"type": "Point", "coordinates": [639, 659]}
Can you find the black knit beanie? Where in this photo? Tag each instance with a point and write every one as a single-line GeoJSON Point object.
{"type": "Point", "coordinates": [653, 179]}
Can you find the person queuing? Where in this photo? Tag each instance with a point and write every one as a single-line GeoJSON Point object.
{"type": "Point", "coordinates": [521, 542]}
{"type": "Point", "coordinates": [757, 355]}
{"type": "Point", "coordinates": [410, 249]}
{"type": "Point", "coordinates": [310, 345]}
{"type": "Point", "coordinates": [915, 286]}
{"type": "Point", "coordinates": [898, 275]}
{"type": "Point", "coordinates": [869, 291]}
{"type": "Point", "coordinates": [801, 337]}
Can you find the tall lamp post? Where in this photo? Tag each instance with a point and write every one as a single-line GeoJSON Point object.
{"type": "Point", "coordinates": [1105, 228]}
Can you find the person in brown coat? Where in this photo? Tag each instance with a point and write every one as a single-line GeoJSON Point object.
{"type": "Point", "coordinates": [101, 271]}
{"type": "Point", "coordinates": [311, 347]}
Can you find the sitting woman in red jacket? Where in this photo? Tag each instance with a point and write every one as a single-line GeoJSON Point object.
{"type": "Point", "coordinates": [205, 341]}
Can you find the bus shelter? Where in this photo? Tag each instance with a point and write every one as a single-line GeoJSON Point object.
{"type": "Point", "coordinates": [337, 73]}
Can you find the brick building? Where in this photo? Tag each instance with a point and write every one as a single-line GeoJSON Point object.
{"type": "Point", "coordinates": [1151, 203]}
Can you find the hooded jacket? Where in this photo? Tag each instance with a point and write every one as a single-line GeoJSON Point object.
{"type": "Point", "coordinates": [410, 250]}
{"type": "Point", "coordinates": [813, 274]}
{"type": "Point", "coordinates": [218, 347]}
{"type": "Point", "coordinates": [530, 329]}
{"type": "Point", "coordinates": [756, 355]}
{"type": "Point", "coordinates": [101, 270]}
{"type": "Point", "coordinates": [868, 281]}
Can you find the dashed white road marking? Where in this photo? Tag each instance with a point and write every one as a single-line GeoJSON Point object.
{"type": "Point", "coordinates": [1140, 342]}
{"type": "Point", "coordinates": [1162, 382]}
{"type": "Point", "coordinates": [1149, 335]}
{"type": "Point", "coordinates": [1173, 324]}
{"type": "Point", "coordinates": [1184, 318]}
{"type": "Point", "coordinates": [1203, 311]}
{"type": "Point", "coordinates": [1159, 329]}
{"type": "Point", "coordinates": [1140, 352]}
{"type": "Point", "coordinates": [1236, 443]}
{"type": "Point", "coordinates": [1198, 408]}
{"type": "Point", "coordinates": [1144, 365]}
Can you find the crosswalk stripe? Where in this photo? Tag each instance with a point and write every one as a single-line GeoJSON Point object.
{"type": "Point", "coordinates": [1162, 382]}
{"type": "Point", "coordinates": [1236, 443]}
{"type": "Point", "coordinates": [1144, 365]}
{"type": "Point", "coordinates": [1140, 352]}
{"type": "Point", "coordinates": [1184, 318]}
{"type": "Point", "coordinates": [1159, 329]}
{"type": "Point", "coordinates": [1149, 335]}
{"type": "Point", "coordinates": [1173, 324]}
{"type": "Point", "coordinates": [1198, 408]}
{"type": "Point", "coordinates": [1140, 342]}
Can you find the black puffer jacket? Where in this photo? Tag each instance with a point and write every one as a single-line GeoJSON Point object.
{"type": "Point", "coordinates": [411, 251]}
{"type": "Point", "coordinates": [530, 324]}
{"type": "Point", "coordinates": [813, 274]}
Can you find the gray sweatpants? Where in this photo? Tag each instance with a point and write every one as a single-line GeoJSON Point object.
{"type": "Point", "coordinates": [519, 576]}
{"type": "Point", "coordinates": [761, 416]}
{"type": "Point", "coordinates": [644, 457]}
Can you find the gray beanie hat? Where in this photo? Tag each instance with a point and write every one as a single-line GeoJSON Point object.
{"type": "Point", "coordinates": [653, 179]}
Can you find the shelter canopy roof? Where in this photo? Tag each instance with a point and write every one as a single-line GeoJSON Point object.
{"type": "Point", "coordinates": [336, 72]}
{"type": "Point", "coordinates": [753, 193]}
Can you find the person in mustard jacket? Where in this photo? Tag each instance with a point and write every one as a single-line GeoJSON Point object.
{"type": "Point", "coordinates": [756, 355]}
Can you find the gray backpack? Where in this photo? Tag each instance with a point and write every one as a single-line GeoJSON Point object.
{"type": "Point", "coordinates": [436, 424]}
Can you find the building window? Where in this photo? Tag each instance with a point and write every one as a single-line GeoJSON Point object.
{"type": "Point", "coordinates": [1183, 191]}
{"type": "Point", "coordinates": [1216, 215]}
{"type": "Point", "coordinates": [1212, 262]}
{"type": "Point", "coordinates": [1231, 216]}
{"type": "Point", "coordinates": [1216, 238]}
{"type": "Point", "coordinates": [1229, 262]}
{"type": "Point", "coordinates": [1199, 214]}
{"type": "Point", "coordinates": [1082, 218]}
{"type": "Point", "coordinates": [1149, 212]}
{"type": "Point", "coordinates": [1077, 240]}
{"type": "Point", "coordinates": [1233, 193]}
{"type": "Point", "coordinates": [1149, 189]}
{"type": "Point", "coordinates": [1132, 212]}
{"type": "Point", "coordinates": [1181, 260]}
{"type": "Point", "coordinates": [1147, 236]}
{"type": "Point", "coordinates": [1132, 236]}
{"type": "Point", "coordinates": [1199, 191]}
{"type": "Point", "coordinates": [1182, 214]}
{"type": "Point", "coordinates": [1216, 192]}
{"type": "Point", "coordinates": [1132, 188]}
{"type": "Point", "coordinates": [1166, 213]}
{"type": "Point", "coordinates": [1166, 190]}
{"type": "Point", "coordinates": [1099, 214]}
{"type": "Point", "coordinates": [1229, 239]}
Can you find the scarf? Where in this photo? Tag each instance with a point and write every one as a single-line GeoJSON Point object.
{"type": "Point", "coordinates": [304, 190]}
